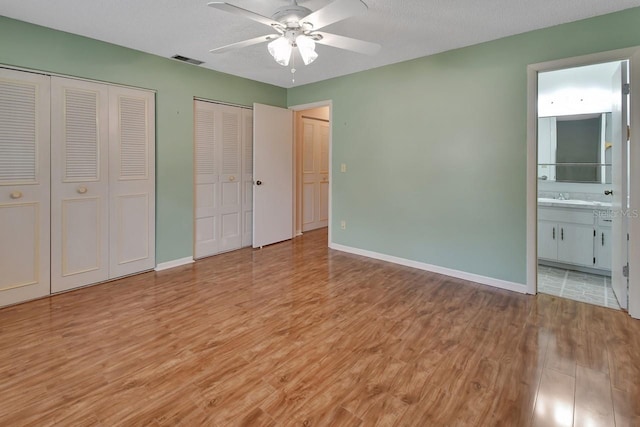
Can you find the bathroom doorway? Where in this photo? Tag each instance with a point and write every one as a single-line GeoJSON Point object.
{"type": "Point", "coordinates": [582, 175]}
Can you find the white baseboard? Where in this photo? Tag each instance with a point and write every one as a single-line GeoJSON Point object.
{"type": "Point", "coordinates": [497, 283]}
{"type": "Point", "coordinates": [175, 263]}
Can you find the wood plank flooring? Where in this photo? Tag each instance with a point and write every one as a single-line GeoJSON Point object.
{"type": "Point", "coordinates": [297, 334]}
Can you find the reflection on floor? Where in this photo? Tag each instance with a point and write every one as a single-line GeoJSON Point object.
{"type": "Point", "coordinates": [577, 286]}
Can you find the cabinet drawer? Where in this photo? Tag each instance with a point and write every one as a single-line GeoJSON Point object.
{"type": "Point", "coordinates": [573, 216]}
{"type": "Point", "coordinates": [605, 218]}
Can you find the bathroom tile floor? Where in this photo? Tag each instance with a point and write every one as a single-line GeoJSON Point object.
{"type": "Point", "coordinates": [578, 286]}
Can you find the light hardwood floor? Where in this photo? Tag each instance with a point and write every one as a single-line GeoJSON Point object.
{"type": "Point", "coordinates": [296, 334]}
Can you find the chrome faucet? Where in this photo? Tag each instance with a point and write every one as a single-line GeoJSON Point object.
{"type": "Point", "coordinates": [561, 196]}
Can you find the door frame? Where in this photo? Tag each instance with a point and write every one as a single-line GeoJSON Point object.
{"type": "Point", "coordinates": [628, 54]}
{"type": "Point", "coordinates": [302, 107]}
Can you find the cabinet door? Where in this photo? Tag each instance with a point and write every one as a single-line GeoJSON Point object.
{"type": "Point", "coordinates": [576, 244]}
{"type": "Point", "coordinates": [548, 240]}
{"type": "Point", "coordinates": [131, 181]}
{"type": "Point", "coordinates": [79, 183]}
{"type": "Point", "coordinates": [24, 186]}
{"type": "Point", "coordinates": [603, 248]}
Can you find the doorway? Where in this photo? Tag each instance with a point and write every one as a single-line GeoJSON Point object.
{"type": "Point", "coordinates": [580, 227]}
{"type": "Point", "coordinates": [582, 156]}
{"type": "Point", "coordinates": [312, 167]}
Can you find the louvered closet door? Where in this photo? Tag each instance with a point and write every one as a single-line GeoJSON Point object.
{"type": "Point", "coordinates": [207, 144]}
{"type": "Point", "coordinates": [79, 183]}
{"type": "Point", "coordinates": [247, 177]}
{"type": "Point", "coordinates": [24, 186]}
{"type": "Point", "coordinates": [131, 181]}
{"type": "Point", "coordinates": [219, 178]}
{"type": "Point", "coordinates": [231, 179]}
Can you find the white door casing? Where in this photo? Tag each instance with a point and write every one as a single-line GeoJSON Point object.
{"type": "Point", "coordinates": [273, 175]}
{"type": "Point", "coordinates": [131, 181]}
{"type": "Point", "coordinates": [315, 173]}
{"type": "Point", "coordinates": [79, 183]}
{"type": "Point", "coordinates": [24, 186]}
{"type": "Point", "coordinates": [619, 184]}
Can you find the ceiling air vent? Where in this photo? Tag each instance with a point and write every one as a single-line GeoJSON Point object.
{"type": "Point", "coordinates": [189, 60]}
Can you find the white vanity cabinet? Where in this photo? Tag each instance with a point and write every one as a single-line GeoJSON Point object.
{"type": "Point", "coordinates": [572, 236]}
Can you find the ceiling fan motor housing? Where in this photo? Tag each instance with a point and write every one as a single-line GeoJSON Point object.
{"type": "Point", "coordinates": [291, 15]}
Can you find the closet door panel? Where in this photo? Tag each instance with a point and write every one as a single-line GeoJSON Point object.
{"type": "Point", "coordinates": [24, 186]}
{"type": "Point", "coordinates": [206, 170]}
{"type": "Point", "coordinates": [79, 187]}
{"type": "Point", "coordinates": [231, 179]}
{"type": "Point", "coordinates": [247, 177]}
{"type": "Point", "coordinates": [131, 181]}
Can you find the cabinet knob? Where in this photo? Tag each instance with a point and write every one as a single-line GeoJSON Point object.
{"type": "Point", "coordinates": [82, 189]}
{"type": "Point", "coordinates": [15, 194]}
{"type": "Point", "coordinates": [608, 192]}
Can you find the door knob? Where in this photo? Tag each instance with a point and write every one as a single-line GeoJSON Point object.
{"type": "Point", "coordinates": [258, 182]}
{"type": "Point", "coordinates": [608, 192]}
{"type": "Point", "coordinates": [232, 178]}
{"type": "Point", "coordinates": [15, 194]}
{"type": "Point", "coordinates": [82, 189]}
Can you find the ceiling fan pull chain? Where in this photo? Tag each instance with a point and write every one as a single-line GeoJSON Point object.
{"type": "Point", "coordinates": [293, 68]}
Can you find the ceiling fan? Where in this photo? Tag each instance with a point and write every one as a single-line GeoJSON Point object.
{"type": "Point", "coordinates": [296, 28]}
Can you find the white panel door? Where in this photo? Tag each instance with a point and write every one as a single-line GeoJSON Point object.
{"type": "Point", "coordinates": [273, 175]}
{"type": "Point", "coordinates": [24, 186]}
{"type": "Point", "coordinates": [131, 181]}
{"type": "Point", "coordinates": [315, 174]}
{"type": "Point", "coordinates": [247, 177]}
{"type": "Point", "coordinates": [619, 205]}
{"type": "Point", "coordinates": [79, 184]}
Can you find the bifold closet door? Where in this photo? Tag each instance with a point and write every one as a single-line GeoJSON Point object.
{"type": "Point", "coordinates": [24, 186]}
{"type": "Point", "coordinates": [131, 181]}
{"type": "Point", "coordinates": [103, 185]}
{"type": "Point", "coordinates": [218, 178]}
{"type": "Point", "coordinates": [79, 183]}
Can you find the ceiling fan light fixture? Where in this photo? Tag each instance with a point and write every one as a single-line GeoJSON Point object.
{"type": "Point", "coordinates": [281, 50]}
{"type": "Point", "coordinates": [307, 49]}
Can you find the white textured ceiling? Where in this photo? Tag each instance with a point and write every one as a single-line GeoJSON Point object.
{"type": "Point", "coordinates": [406, 29]}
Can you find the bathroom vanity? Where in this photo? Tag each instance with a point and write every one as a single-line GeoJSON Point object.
{"type": "Point", "coordinates": [575, 234]}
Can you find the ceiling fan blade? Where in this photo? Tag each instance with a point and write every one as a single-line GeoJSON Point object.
{"type": "Point", "coordinates": [348, 43]}
{"type": "Point", "coordinates": [334, 12]}
{"type": "Point", "coordinates": [228, 7]}
{"type": "Point", "coordinates": [250, 42]}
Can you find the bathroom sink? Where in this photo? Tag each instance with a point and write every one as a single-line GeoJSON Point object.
{"type": "Point", "coordinates": [586, 203]}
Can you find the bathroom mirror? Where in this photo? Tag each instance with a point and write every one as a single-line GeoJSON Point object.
{"type": "Point", "coordinates": [575, 148]}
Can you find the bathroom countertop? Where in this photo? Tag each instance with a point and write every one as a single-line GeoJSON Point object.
{"type": "Point", "coordinates": [580, 204]}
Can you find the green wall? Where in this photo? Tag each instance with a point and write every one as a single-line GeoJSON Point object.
{"type": "Point", "coordinates": [30, 46]}
{"type": "Point", "coordinates": [436, 147]}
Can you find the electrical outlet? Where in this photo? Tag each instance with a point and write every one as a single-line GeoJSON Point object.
{"type": "Point", "coordinates": [343, 224]}
{"type": "Point", "coordinates": [343, 167]}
